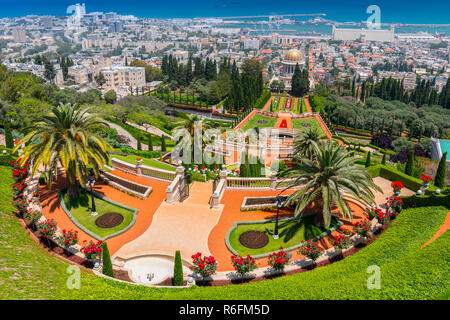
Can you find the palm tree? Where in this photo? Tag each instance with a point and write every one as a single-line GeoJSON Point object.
{"type": "Point", "coordinates": [324, 179]}
{"type": "Point", "coordinates": [65, 137]}
{"type": "Point", "coordinates": [306, 141]}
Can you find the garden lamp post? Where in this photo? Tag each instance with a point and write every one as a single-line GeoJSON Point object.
{"type": "Point", "coordinates": [90, 183]}
{"type": "Point", "coordinates": [279, 205]}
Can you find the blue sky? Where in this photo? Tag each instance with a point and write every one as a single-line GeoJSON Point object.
{"type": "Point", "coordinates": [412, 11]}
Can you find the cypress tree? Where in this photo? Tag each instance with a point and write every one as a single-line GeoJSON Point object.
{"type": "Point", "coordinates": [383, 161]}
{"type": "Point", "coordinates": [439, 180]}
{"type": "Point", "coordinates": [163, 144]}
{"type": "Point", "coordinates": [150, 143]}
{"type": "Point", "coordinates": [178, 270]}
{"type": "Point", "coordinates": [139, 146]}
{"type": "Point", "coordinates": [8, 136]}
{"type": "Point", "coordinates": [409, 163]}
{"type": "Point", "coordinates": [107, 265]}
{"type": "Point", "coordinates": [368, 160]}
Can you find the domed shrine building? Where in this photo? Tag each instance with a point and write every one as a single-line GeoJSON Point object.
{"type": "Point", "coordinates": [290, 60]}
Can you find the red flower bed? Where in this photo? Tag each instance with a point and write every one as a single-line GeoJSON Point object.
{"type": "Point", "coordinates": [67, 238]}
{"type": "Point", "coordinates": [205, 266]}
{"type": "Point", "coordinates": [363, 228]}
{"type": "Point", "coordinates": [341, 242]}
{"type": "Point", "coordinates": [426, 179]}
{"type": "Point", "coordinates": [311, 249]}
{"type": "Point", "coordinates": [278, 260]}
{"type": "Point", "coordinates": [395, 204]}
{"type": "Point", "coordinates": [92, 250]}
{"type": "Point", "coordinates": [383, 217]}
{"type": "Point", "coordinates": [47, 228]}
{"type": "Point", "coordinates": [243, 265]}
{"type": "Point", "coordinates": [32, 215]}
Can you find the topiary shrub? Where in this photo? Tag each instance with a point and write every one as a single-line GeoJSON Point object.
{"type": "Point", "coordinates": [368, 160]}
{"type": "Point", "coordinates": [178, 270]}
{"type": "Point", "coordinates": [139, 146]}
{"type": "Point", "coordinates": [8, 136]}
{"type": "Point", "coordinates": [439, 180]}
{"type": "Point", "coordinates": [150, 143]}
{"type": "Point", "coordinates": [163, 144]}
{"type": "Point", "coordinates": [107, 265]}
{"type": "Point", "coordinates": [410, 163]}
{"type": "Point", "coordinates": [383, 161]}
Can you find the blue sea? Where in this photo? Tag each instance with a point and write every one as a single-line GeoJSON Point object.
{"type": "Point", "coordinates": [411, 11]}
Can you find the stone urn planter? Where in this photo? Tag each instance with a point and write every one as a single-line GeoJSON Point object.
{"type": "Point", "coordinates": [397, 192]}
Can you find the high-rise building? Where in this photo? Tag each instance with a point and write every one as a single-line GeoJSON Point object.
{"type": "Point", "coordinates": [19, 35]}
{"type": "Point", "coordinates": [47, 22]}
{"type": "Point", "coordinates": [115, 27]}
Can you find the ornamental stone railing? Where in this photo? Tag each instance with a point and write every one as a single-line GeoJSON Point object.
{"type": "Point", "coordinates": [133, 188]}
{"type": "Point", "coordinates": [219, 191]}
{"type": "Point", "coordinates": [143, 171]}
{"type": "Point", "coordinates": [173, 190]}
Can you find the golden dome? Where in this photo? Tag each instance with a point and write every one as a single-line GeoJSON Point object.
{"type": "Point", "coordinates": [293, 55]}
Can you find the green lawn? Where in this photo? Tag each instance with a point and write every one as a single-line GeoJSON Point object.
{"type": "Point", "coordinates": [407, 271]}
{"type": "Point", "coordinates": [80, 209]}
{"type": "Point", "coordinates": [291, 233]}
{"type": "Point", "coordinates": [145, 161]}
{"type": "Point", "coordinates": [259, 121]}
{"type": "Point", "coordinates": [303, 124]}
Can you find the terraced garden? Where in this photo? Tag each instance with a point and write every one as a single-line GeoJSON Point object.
{"type": "Point", "coordinates": [30, 272]}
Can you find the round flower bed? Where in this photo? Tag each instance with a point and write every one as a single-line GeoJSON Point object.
{"type": "Point", "coordinates": [254, 239]}
{"type": "Point", "coordinates": [109, 220]}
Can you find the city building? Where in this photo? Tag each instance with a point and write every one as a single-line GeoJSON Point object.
{"type": "Point", "coordinates": [350, 34]}
{"type": "Point", "coordinates": [408, 78]}
{"type": "Point", "coordinates": [117, 76]}
{"type": "Point", "coordinates": [19, 35]}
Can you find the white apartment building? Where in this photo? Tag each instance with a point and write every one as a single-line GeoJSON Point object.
{"type": "Point", "coordinates": [408, 78]}
{"type": "Point", "coordinates": [117, 76]}
{"type": "Point", "coordinates": [79, 74]}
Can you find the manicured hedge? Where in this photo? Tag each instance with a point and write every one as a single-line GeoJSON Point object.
{"type": "Point", "coordinates": [392, 174]}
{"type": "Point", "coordinates": [5, 160]}
{"type": "Point", "coordinates": [142, 153]}
{"type": "Point", "coordinates": [416, 201]}
{"type": "Point", "coordinates": [262, 100]}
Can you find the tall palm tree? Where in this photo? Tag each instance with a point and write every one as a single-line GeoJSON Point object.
{"type": "Point", "coordinates": [324, 179]}
{"type": "Point", "coordinates": [306, 141]}
{"type": "Point", "coordinates": [65, 137]}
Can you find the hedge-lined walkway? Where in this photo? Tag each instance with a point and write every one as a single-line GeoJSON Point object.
{"type": "Point", "coordinates": [308, 106]}
{"type": "Point", "coordinates": [232, 200]}
{"type": "Point", "coordinates": [52, 209]}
